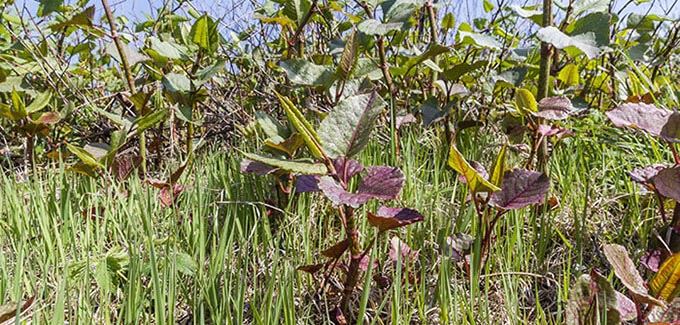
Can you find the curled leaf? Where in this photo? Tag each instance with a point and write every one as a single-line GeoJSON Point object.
{"type": "Point", "coordinates": [391, 218]}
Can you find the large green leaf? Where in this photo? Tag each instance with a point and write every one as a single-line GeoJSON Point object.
{"type": "Point", "coordinates": [585, 43]}
{"type": "Point", "coordinates": [303, 127]}
{"type": "Point", "coordinates": [375, 27]}
{"type": "Point", "coordinates": [83, 18]}
{"type": "Point", "coordinates": [476, 182]}
{"type": "Point", "coordinates": [303, 72]}
{"type": "Point", "coordinates": [290, 165]}
{"type": "Point", "coordinates": [177, 83]}
{"type": "Point", "coordinates": [346, 129]}
{"type": "Point", "coordinates": [39, 102]}
{"type": "Point", "coordinates": [150, 119]}
{"type": "Point", "coordinates": [479, 40]}
{"type": "Point", "coordinates": [204, 34]}
{"type": "Point", "coordinates": [296, 10]}
{"type": "Point", "coordinates": [85, 156]}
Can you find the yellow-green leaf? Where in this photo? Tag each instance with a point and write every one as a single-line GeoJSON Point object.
{"type": "Point", "coordinates": [303, 126]}
{"type": "Point", "coordinates": [499, 168]}
{"type": "Point", "coordinates": [476, 182]}
{"type": "Point", "coordinates": [665, 282]}
{"type": "Point", "coordinates": [39, 102]}
{"type": "Point", "coordinates": [86, 157]}
{"type": "Point", "coordinates": [525, 101]}
{"type": "Point", "coordinates": [569, 75]}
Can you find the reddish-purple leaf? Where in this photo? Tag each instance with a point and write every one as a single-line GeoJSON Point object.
{"type": "Point", "coordinates": [401, 250]}
{"type": "Point", "coordinates": [306, 183]}
{"type": "Point", "coordinates": [338, 317]}
{"type": "Point", "coordinates": [625, 307]}
{"type": "Point", "coordinates": [548, 131]}
{"type": "Point", "coordinates": [646, 174]}
{"type": "Point", "coordinates": [405, 119]}
{"type": "Point", "coordinates": [625, 270]}
{"type": "Point", "coordinates": [641, 116]}
{"type": "Point", "coordinates": [382, 182]}
{"type": "Point", "coordinates": [123, 165]}
{"type": "Point", "coordinates": [256, 167]}
{"type": "Point", "coordinates": [364, 263]}
{"type": "Point", "coordinates": [521, 187]}
{"type": "Point", "coordinates": [168, 197]}
{"type": "Point", "coordinates": [338, 195]}
{"type": "Point", "coordinates": [652, 259]}
{"type": "Point", "coordinates": [554, 108]}
{"type": "Point", "coordinates": [671, 130]}
{"type": "Point", "coordinates": [390, 218]}
{"type": "Point", "coordinates": [311, 269]}
{"type": "Point", "coordinates": [667, 182]}
{"type": "Point", "coordinates": [336, 250]}
{"type": "Point", "coordinates": [347, 168]}
{"type": "Point", "coordinates": [476, 166]}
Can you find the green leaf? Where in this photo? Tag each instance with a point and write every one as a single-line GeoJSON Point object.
{"type": "Point", "coordinates": [177, 83]}
{"type": "Point", "coordinates": [585, 43]}
{"type": "Point", "coordinates": [18, 106]}
{"type": "Point", "coordinates": [498, 171]}
{"type": "Point", "coordinates": [150, 119]}
{"type": "Point", "coordinates": [169, 49]}
{"type": "Point", "coordinates": [476, 182]}
{"type": "Point", "coordinates": [303, 127]}
{"type": "Point", "coordinates": [84, 156]}
{"type": "Point", "coordinates": [296, 10]}
{"type": "Point", "coordinates": [290, 165]}
{"type": "Point", "coordinates": [374, 27]}
{"type": "Point", "coordinates": [431, 52]}
{"type": "Point", "coordinates": [347, 128]}
{"type": "Point", "coordinates": [83, 18]}
{"type": "Point", "coordinates": [479, 40]}
{"type": "Point", "coordinates": [271, 127]}
{"type": "Point", "coordinates": [184, 263]}
{"type": "Point", "coordinates": [349, 57]}
{"type": "Point", "coordinates": [303, 72]}
{"type": "Point", "coordinates": [204, 34]}
{"type": "Point", "coordinates": [49, 6]}
{"type": "Point", "coordinates": [569, 75]}
{"type": "Point", "coordinates": [488, 6]}
{"type": "Point", "coordinates": [133, 56]}
{"type": "Point", "coordinates": [39, 102]}
{"type": "Point", "coordinates": [596, 23]}
{"type": "Point", "coordinates": [665, 282]}
{"type": "Point", "coordinates": [590, 5]}
{"type": "Point", "coordinates": [525, 101]}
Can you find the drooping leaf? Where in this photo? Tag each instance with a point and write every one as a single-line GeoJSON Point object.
{"type": "Point", "coordinates": [626, 272]}
{"type": "Point", "coordinates": [521, 187]}
{"type": "Point", "coordinates": [665, 283]}
{"type": "Point", "coordinates": [667, 182]}
{"type": "Point", "coordinates": [84, 18]}
{"type": "Point", "coordinates": [9, 311]}
{"type": "Point", "coordinates": [150, 119]}
{"type": "Point", "coordinates": [303, 127]}
{"type": "Point", "coordinates": [336, 250]}
{"type": "Point", "coordinates": [289, 165]}
{"type": "Point", "coordinates": [346, 129]}
{"type": "Point", "coordinates": [586, 43]}
{"type": "Point", "coordinates": [477, 167]}
{"type": "Point", "coordinates": [554, 108]}
{"type": "Point", "coordinates": [476, 182]}
{"type": "Point", "coordinates": [375, 27]}
{"type": "Point", "coordinates": [391, 218]}
{"type": "Point", "coordinates": [288, 146]}
{"type": "Point", "coordinates": [305, 73]}
{"type": "Point", "coordinates": [641, 116]}
{"type": "Point", "coordinates": [645, 174]}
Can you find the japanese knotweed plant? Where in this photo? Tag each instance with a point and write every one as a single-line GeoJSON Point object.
{"type": "Point", "coordinates": [342, 134]}
{"type": "Point", "coordinates": [593, 299]}
{"type": "Point", "coordinates": [662, 179]}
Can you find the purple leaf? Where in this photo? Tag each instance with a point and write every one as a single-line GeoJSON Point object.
{"type": "Point", "coordinates": [554, 130]}
{"type": "Point", "coordinates": [306, 183]}
{"type": "Point", "coordinates": [405, 119]}
{"type": "Point", "coordinates": [400, 250]}
{"type": "Point", "coordinates": [382, 182]}
{"type": "Point", "coordinates": [364, 263]}
{"type": "Point", "coordinates": [641, 116]}
{"type": "Point", "coordinates": [347, 168]}
{"type": "Point", "coordinates": [644, 175]}
{"type": "Point", "coordinates": [667, 182]}
{"type": "Point", "coordinates": [256, 167]}
{"type": "Point", "coordinates": [671, 130]}
{"type": "Point", "coordinates": [390, 218]}
{"type": "Point", "coordinates": [521, 187]}
{"type": "Point", "coordinates": [625, 307]}
{"type": "Point", "coordinates": [652, 259]}
{"type": "Point", "coordinates": [554, 108]}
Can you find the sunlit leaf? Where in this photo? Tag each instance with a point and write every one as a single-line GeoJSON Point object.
{"type": "Point", "coordinates": [664, 284]}
{"type": "Point", "coordinates": [525, 101]}
{"type": "Point", "coordinates": [375, 27]}
{"type": "Point", "coordinates": [479, 40]}
{"type": "Point", "coordinates": [499, 168]}
{"type": "Point", "coordinates": [303, 72]}
{"type": "Point", "coordinates": [289, 165]}
{"type": "Point", "coordinates": [569, 75]}
{"type": "Point", "coordinates": [204, 34]}
{"type": "Point", "coordinates": [641, 116]}
{"type": "Point", "coordinates": [390, 218]}
{"type": "Point", "coordinates": [626, 272]}
{"type": "Point", "coordinates": [177, 83]}
{"type": "Point", "coordinates": [584, 42]}
{"type": "Point", "coordinates": [474, 180]}
{"type": "Point", "coordinates": [39, 102]}
{"type": "Point", "coordinates": [554, 108]}
{"type": "Point", "coordinates": [84, 156]}
{"type": "Point", "coordinates": [521, 187]}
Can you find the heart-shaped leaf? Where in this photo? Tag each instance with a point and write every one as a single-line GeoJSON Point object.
{"type": "Point", "coordinates": [521, 187]}
{"type": "Point", "coordinates": [667, 182]}
{"type": "Point", "coordinates": [391, 218]}
{"type": "Point", "coordinates": [586, 42]}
